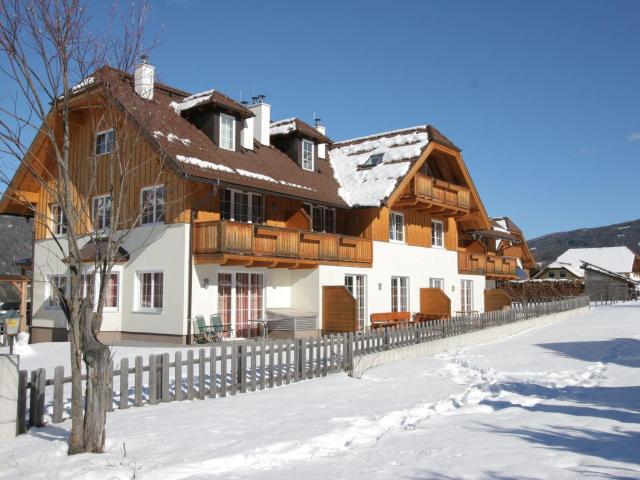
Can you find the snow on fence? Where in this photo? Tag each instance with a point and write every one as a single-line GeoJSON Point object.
{"type": "Point", "coordinates": [230, 368]}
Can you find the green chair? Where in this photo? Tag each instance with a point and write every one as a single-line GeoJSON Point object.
{"type": "Point", "coordinates": [218, 328]}
{"type": "Point", "coordinates": [204, 332]}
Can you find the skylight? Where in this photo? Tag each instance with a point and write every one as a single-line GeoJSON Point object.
{"type": "Point", "coordinates": [373, 160]}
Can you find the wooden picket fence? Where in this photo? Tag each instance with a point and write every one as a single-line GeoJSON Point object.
{"type": "Point", "coordinates": [229, 368]}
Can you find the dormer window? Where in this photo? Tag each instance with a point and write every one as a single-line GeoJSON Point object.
{"type": "Point", "coordinates": [227, 132]}
{"type": "Point", "coordinates": [307, 155]}
{"type": "Point", "coordinates": [373, 160]}
{"type": "Point", "coordinates": [105, 141]}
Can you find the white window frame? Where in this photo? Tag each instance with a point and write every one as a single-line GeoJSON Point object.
{"type": "Point", "coordinates": [392, 236]}
{"type": "Point", "coordinates": [435, 232]}
{"type": "Point", "coordinates": [232, 205]}
{"type": "Point", "coordinates": [58, 221]}
{"type": "Point", "coordinates": [435, 282]}
{"type": "Point", "coordinates": [398, 288]}
{"type": "Point", "coordinates": [155, 205]}
{"type": "Point", "coordinates": [466, 295]}
{"type": "Point", "coordinates": [311, 213]}
{"type": "Point", "coordinates": [96, 288]}
{"type": "Point", "coordinates": [138, 308]}
{"type": "Point", "coordinates": [93, 212]}
{"type": "Point", "coordinates": [49, 290]}
{"type": "Point", "coordinates": [224, 116]}
{"type": "Point", "coordinates": [361, 306]}
{"type": "Point", "coordinates": [304, 160]}
{"type": "Point", "coordinates": [108, 147]}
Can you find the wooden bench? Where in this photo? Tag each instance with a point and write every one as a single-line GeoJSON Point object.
{"type": "Point", "coordinates": [389, 319]}
{"type": "Point", "coordinates": [429, 317]}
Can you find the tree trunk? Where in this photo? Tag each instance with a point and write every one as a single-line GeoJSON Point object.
{"type": "Point", "coordinates": [97, 359]}
{"type": "Point", "coordinates": [77, 410]}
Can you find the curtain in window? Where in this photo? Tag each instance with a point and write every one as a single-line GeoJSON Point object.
{"type": "Point", "coordinates": [224, 297]}
{"type": "Point", "coordinates": [242, 304]}
{"type": "Point", "coordinates": [257, 208]}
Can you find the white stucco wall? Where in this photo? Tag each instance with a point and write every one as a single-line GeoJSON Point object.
{"type": "Point", "coordinates": [161, 247]}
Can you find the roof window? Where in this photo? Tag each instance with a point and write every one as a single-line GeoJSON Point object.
{"type": "Point", "coordinates": [373, 160]}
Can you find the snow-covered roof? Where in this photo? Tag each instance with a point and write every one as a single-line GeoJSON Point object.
{"type": "Point", "coordinates": [614, 259]}
{"type": "Point", "coordinates": [192, 101]}
{"type": "Point", "coordinates": [282, 126]}
{"type": "Point", "coordinates": [369, 187]}
{"type": "Point", "coordinates": [574, 269]}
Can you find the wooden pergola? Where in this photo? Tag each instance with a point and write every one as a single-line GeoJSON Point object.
{"type": "Point", "coordinates": [21, 282]}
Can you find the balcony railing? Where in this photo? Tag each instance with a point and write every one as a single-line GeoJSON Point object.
{"type": "Point", "coordinates": [265, 242]}
{"type": "Point", "coordinates": [441, 192]}
{"type": "Point", "coordinates": [487, 264]}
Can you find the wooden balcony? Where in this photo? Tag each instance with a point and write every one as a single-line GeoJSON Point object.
{"type": "Point", "coordinates": [494, 267]}
{"type": "Point", "coordinates": [235, 243]}
{"type": "Point", "coordinates": [436, 196]}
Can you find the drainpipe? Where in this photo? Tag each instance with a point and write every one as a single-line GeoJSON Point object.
{"type": "Point", "coordinates": [190, 277]}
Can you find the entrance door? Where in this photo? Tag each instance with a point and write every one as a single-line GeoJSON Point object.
{"type": "Point", "coordinates": [241, 300]}
{"type": "Point", "coordinates": [356, 284]}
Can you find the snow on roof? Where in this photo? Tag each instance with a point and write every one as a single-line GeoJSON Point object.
{"type": "Point", "coordinates": [575, 269]}
{"type": "Point", "coordinates": [501, 225]}
{"type": "Point", "coordinates": [614, 259]}
{"type": "Point", "coordinates": [385, 134]}
{"type": "Point", "coordinates": [172, 137]}
{"type": "Point", "coordinates": [192, 101]}
{"type": "Point", "coordinates": [267, 178]}
{"type": "Point", "coordinates": [282, 127]}
{"type": "Point", "coordinates": [204, 164]}
{"type": "Point", "coordinates": [369, 187]}
{"type": "Point", "coordinates": [83, 84]}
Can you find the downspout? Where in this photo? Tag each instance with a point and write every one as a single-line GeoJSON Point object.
{"type": "Point", "coordinates": [190, 277]}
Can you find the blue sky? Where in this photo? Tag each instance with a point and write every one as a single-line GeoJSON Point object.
{"type": "Point", "coordinates": [542, 97]}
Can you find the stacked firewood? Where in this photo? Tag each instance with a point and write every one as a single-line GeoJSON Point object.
{"type": "Point", "coordinates": [542, 290]}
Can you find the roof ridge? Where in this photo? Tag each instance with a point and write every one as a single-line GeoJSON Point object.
{"type": "Point", "coordinates": [381, 134]}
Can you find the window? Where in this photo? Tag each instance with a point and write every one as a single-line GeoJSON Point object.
{"type": "Point", "coordinates": [356, 286]}
{"type": "Point", "coordinates": [150, 292]}
{"type": "Point", "coordinates": [373, 160]}
{"type": "Point", "coordinates": [399, 294]}
{"type": "Point", "coordinates": [563, 274]}
{"type": "Point", "coordinates": [242, 207]}
{"type": "Point", "coordinates": [323, 219]}
{"type": "Point", "coordinates": [87, 280]}
{"type": "Point", "coordinates": [112, 290]}
{"type": "Point", "coordinates": [57, 284]}
{"type": "Point", "coordinates": [437, 234]}
{"type": "Point", "coordinates": [466, 295]}
{"type": "Point", "coordinates": [227, 132]}
{"type": "Point", "coordinates": [59, 222]}
{"type": "Point", "coordinates": [241, 300]}
{"type": "Point", "coordinates": [152, 202]}
{"type": "Point", "coordinates": [105, 141]}
{"type": "Point", "coordinates": [101, 212]}
{"type": "Point", "coordinates": [396, 227]}
{"type": "Point", "coordinates": [552, 275]}
{"type": "Point", "coordinates": [436, 283]}
{"type": "Point", "coordinates": [307, 155]}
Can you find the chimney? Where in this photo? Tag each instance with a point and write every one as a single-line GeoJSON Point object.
{"type": "Point", "coordinates": [262, 120]}
{"type": "Point", "coordinates": [322, 147]}
{"type": "Point", "coordinates": [144, 78]}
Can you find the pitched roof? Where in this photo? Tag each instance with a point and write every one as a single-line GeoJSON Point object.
{"type": "Point", "coordinates": [575, 269]}
{"type": "Point", "coordinates": [371, 186]}
{"type": "Point", "coordinates": [614, 259]}
{"type": "Point", "coordinates": [211, 97]}
{"type": "Point", "coordinates": [194, 154]}
{"type": "Point", "coordinates": [288, 126]}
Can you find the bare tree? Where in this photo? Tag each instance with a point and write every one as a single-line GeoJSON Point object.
{"type": "Point", "coordinates": [53, 62]}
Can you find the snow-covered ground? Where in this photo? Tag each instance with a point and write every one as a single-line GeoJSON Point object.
{"type": "Point", "coordinates": [556, 402]}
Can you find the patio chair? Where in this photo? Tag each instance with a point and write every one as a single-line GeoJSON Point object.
{"type": "Point", "coordinates": [203, 333]}
{"type": "Point", "coordinates": [218, 329]}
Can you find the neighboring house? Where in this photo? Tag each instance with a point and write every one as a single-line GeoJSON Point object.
{"type": "Point", "coordinates": [619, 260]}
{"type": "Point", "coordinates": [251, 218]}
{"type": "Point", "coordinates": [605, 285]}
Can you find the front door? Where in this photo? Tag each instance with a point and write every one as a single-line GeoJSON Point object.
{"type": "Point", "coordinates": [241, 300]}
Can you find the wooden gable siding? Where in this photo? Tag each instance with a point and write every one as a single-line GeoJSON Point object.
{"type": "Point", "coordinates": [145, 169]}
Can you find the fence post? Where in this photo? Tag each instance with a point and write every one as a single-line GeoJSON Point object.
{"type": "Point", "coordinates": [223, 371]}
{"type": "Point", "coordinates": [137, 399]}
{"type": "Point", "coordinates": [22, 402]}
{"type": "Point", "coordinates": [202, 374]}
{"type": "Point", "coordinates": [263, 365]}
{"type": "Point", "coordinates": [165, 377]}
{"type": "Point", "coordinates": [58, 394]}
{"type": "Point", "coordinates": [124, 384]}
{"type": "Point", "coordinates": [213, 377]}
{"type": "Point", "coordinates": [190, 375]}
{"type": "Point", "coordinates": [253, 366]}
{"type": "Point", "coordinates": [242, 368]}
{"type": "Point", "coordinates": [153, 381]}
{"type": "Point", "coordinates": [177, 369]}
{"type": "Point", "coordinates": [38, 383]}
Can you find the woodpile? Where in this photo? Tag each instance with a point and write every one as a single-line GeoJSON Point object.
{"type": "Point", "coordinates": [543, 289]}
